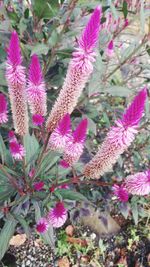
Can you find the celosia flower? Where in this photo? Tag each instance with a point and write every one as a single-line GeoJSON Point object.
{"type": "Point", "coordinates": [15, 75]}
{"type": "Point", "coordinates": [64, 164]}
{"type": "Point", "coordinates": [118, 138]}
{"type": "Point", "coordinates": [36, 88]}
{"type": "Point", "coordinates": [37, 119]}
{"type": "Point", "coordinates": [110, 49]}
{"type": "Point", "coordinates": [61, 135]}
{"type": "Point", "coordinates": [17, 150]}
{"type": "Point", "coordinates": [58, 215]}
{"type": "Point", "coordinates": [120, 192]}
{"type": "Point", "coordinates": [139, 183]}
{"type": "Point", "coordinates": [3, 109]}
{"type": "Point", "coordinates": [63, 186]}
{"type": "Point", "coordinates": [32, 173]}
{"type": "Point", "coordinates": [39, 186]}
{"type": "Point", "coordinates": [74, 148]}
{"type": "Point", "coordinates": [78, 73]}
{"type": "Point", "coordinates": [42, 226]}
{"type": "Point", "coordinates": [11, 135]}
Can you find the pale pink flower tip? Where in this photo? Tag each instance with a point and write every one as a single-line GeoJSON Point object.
{"type": "Point", "coordinates": [134, 112]}
{"type": "Point", "coordinates": [37, 119]}
{"type": "Point", "coordinates": [35, 73]}
{"type": "Point", "coordinates": [17, 150]}
{"type": "Point", "coordinates": [39, 186]}
{"type": "Point", "coordinates": [14, 52]}
{"type": "Point", "coordinates": [58, 215]}
{"type": "Point", "coordinates": [120, 192]}
{"type": "Point", "coordinates": [90, 34]}
{"type": "Point", "coordinates": [32, 173]}
{"type": "Point", "coordinates": [139, 183]}
{"type": "Point", "coordinates": [11, 134]}
{"type": "Point", "coordinates": [79, 134]}
{"type": "Point", "coordinates": [61, 135]}
{"type": "Point", "coordinates": [3, 109]}
{"type": "Point", "coordinates": [64, 164]}
{"type": "Point", "coordinates": [42, 226]}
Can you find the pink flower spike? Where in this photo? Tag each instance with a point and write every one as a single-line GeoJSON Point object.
{"type": "Point", "coordinates": [35, 73]}
{"type": "Point", "coordinates": [126, 23]}
{"type": "Point", "coordinates": [38, 119]}
{"type": "Point", "coordinates": [79, 134]}
{"type": "Point", "coordinates": [3, 109]}
{"type": "Point", "coordinates": [36, 88]}
{"type": "Point", "coordinates": [134, 112]}
{"type": "Point", "coordinates": [61, 135]}
{"type": "Point", "coordinates": [120, 192]}
{"type": "Point", "coordinates": [39, 186]}
{"type": "Point", "coordinates": [42, 226]}
{"type": "Point", "coordinates": [64, 164]}
{"type": "Point", "coordinates": [32, 173]}
{"type": "Point", "coordinates": [58, 215]}
{"type": "Point", "coordinates": [11, 134]}
{"type": "Point", "coordinates": [63, 186]}
{"type": "Point", "coordinates": [90, 34]}
{"type": "Point", "coordinates": [17, 150]}
{"type": "Point", "coordinates": [14, 52]}
{"type": "Point", "coordinates": [139, 183]}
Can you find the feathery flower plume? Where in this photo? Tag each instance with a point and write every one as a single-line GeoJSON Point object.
{"type": "Point", "coordinates": [78, 72]}
{"type": "Point", "coordinates": [42, 226]}
{"type": "Point", "coordinates": [121, 192]}
{"type": "Point", "coordinates": [74, 148]}
{"type": "Point", "coordinates": [58, 215]}
{"type": "Point", "coordinates": [139, 183]}
{"type": "Point", "coordinates": [118, 138]}
{"type": "Point", "coordinates": [37, 119]}
{"type": "Point", "coordinates": [15, 75]}
{"type": "Point", "coordinates": [17, 150]}
{"type": "Point", "coordinates": [36, 88]}
{"type": "Point", "coordinates": [61, 135]}
{"type": "Point", "coordinates": [3, 109]}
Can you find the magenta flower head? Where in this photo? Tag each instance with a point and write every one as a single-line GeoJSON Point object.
{"type": "Point", "coordinates": [39, 186]}
{"type": "Point", "coordinates": [139, 183]}
{"type": "Point", "coordinates": [58, 215]}
{"type": "Point", "coordinates": [121, 193]}
{"type": "Point", "coordinates": [17, 150]}
{"type": "Point", "coordinates": [42, 226]}
{"type": "Point", "coordinates": [118, 138]}
{"type": "Point", "coordinates": [64, 164]}
{"type": "Point", "coordinates": [11, 135]}
{"type": "Point", "coordinates": [110, 49]}
{"type": "Point", "coordinates": [79, 71]}
{"type": "Point", "coordinates": [61, 135]}
{"type": "Point", "coordinates": [15, 75]}
{"type": "Point", "coordinates": [74, 148]}
{"type": "Point", "coordinates": [36, 88]}
{"type": "Point", "coordinates": [3, 109]}
{"type": "Point", "coordinates": [38, 119]}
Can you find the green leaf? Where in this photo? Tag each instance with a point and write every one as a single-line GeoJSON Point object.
{"type": "Point", "coordinates": [6, 234]}
{"type": "Point", "coordinates": [118, 91]}
{"type": "Point", "coordinates": [142, 16]}
{"type": "Point", "coordinates": [48, 161]}
{"type": "Point", "coordinates": [71, 195]}
{"type": "Point", "coordinates": [31, 147]}
{"type": "Point", "coordinates": [23, 223]}
{"type": "Point", "coordinates": [46, 8]}
{"type": "Point", "coordinates": [125, 9]}
{"type": "Point", "coordinates": [2, 150]}
{"type": "Point", "coordinates": [40, 49]}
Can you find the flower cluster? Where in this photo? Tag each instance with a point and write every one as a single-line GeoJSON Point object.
{"type": "Point", "coordinates": [71, 144]}
{"type": "Point", "coordinates": [56, 217]}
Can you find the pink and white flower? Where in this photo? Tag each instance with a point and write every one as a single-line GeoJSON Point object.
{"type": "Point", "coordinates": [139, 183]}
{"type": "Point", "coordinates": [37, 119]}
{"type": "Point", "coordinates": [60, 137]}
{"type": "Point", "coordinates": [57, 215]}
{"type": "Point", "coordinates": [120, 192]}
{"type": "Point", "coordinates": [3, 109]}
{"type": "Point", "coordinates": [17, 150]}
{"type": "Point", "coordinates": [42, 226]}
{"type": "Point", "coordinates": [38, 186]}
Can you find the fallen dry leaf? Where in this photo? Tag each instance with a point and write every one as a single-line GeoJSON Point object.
{"type": "Point", "coordinates": [69, 230]}
{"type": "Point", "coordinates": [18, 240]}
{"type": "Point", "coordinates": [64, 262]}
{"type": "Point", "coordinates": [78, 241]}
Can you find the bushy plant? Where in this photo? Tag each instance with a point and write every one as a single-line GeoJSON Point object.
{"type": "Point", "coordinates": [40, 150]}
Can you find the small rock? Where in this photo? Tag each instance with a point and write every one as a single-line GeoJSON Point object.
{"type": "Point", "coordinates": [93, 236]}
{"type": "Point", "coordinates": [69, 230]}
{"type": "Point", "coordinates": [28, 263]}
